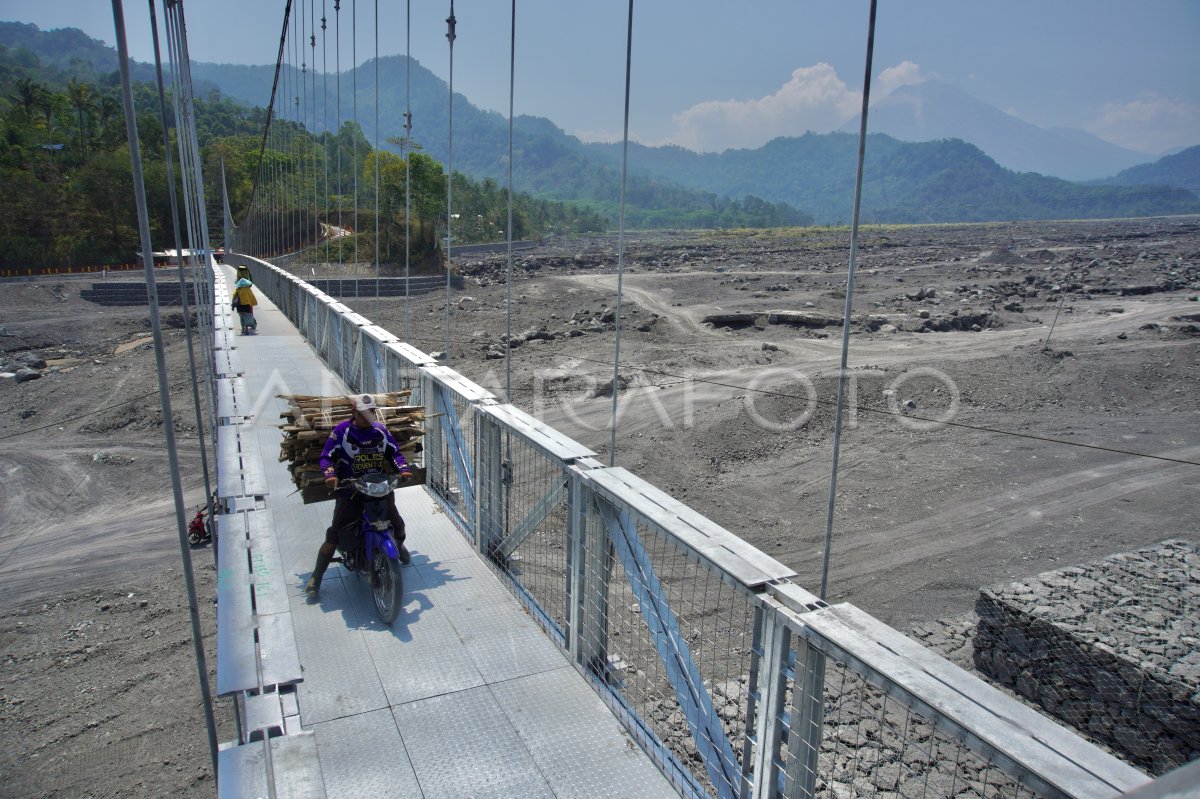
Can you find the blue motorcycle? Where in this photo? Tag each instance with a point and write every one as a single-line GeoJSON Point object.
{"type": "Point", "coordinates": [372, 548]}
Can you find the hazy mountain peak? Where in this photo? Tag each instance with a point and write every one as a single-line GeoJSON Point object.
{"type": "Point", "coordinates": [933, 110]}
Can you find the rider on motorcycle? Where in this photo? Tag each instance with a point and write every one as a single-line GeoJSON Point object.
{"type": "Point", "coordinates": [361, 445]}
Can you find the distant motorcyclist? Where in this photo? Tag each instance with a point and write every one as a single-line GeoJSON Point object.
{"type": "Point", "coordinates": [361, 445]}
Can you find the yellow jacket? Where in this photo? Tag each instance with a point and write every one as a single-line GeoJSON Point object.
{"type": "Point", "coordinates": [245, 296]}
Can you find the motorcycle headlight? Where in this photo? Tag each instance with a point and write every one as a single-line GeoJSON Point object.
{"type": "Point", "coordinates": [382, 524]}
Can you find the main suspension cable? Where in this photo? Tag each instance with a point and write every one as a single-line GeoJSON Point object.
{"type": "Point", "coordinates": [262, 147]}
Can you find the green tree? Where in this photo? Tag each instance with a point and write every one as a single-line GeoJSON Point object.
{"type": "Point", "coordinates": [83, 99]}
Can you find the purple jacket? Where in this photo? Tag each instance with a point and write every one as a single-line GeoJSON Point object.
{"type": "Point", "coordinates": [353, 451]}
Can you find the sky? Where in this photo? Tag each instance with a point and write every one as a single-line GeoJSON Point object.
{"type": "Point", "coordinates": [711, 76]}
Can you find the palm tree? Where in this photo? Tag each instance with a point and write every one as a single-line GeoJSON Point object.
{"type": "Point", "coordinates": [27, 95]}
{"type": "Point", "coordinates": [82, 97]}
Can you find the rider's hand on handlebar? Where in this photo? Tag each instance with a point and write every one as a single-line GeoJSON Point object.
{"type": "Point", "coordinates": [405, 476]}
{"type": "Point", "coordinates": [331, 482]}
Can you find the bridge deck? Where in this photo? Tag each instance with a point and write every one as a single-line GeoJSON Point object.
{"type": "Point", "coordinates": [462, 696]}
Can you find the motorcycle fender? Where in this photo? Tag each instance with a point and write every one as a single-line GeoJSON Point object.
{"type": "Point", "coordinates": [381, 540]}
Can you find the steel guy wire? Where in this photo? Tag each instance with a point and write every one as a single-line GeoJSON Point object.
{"type": "Point", "coordinates": [451, 22]}
{"type": "Point", "coordinates": [183, 287]}
{"type": "Point", "coordinates": [139, 189]}
{"type": "Point", "coordinates": [612, 451]}
{"type": "Point", "coordinates": [512, 66]}
{"type": "Point", "coordinates": [837, 420]}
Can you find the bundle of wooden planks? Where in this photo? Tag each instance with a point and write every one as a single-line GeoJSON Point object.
{"type": "Point", "coordinates": [309, 419]}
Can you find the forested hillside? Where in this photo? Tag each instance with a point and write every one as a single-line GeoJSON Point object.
{"type": "Point", "coordinates": [1181, 170]}
{"type": "Point", "coordinates": [792, 180]}
{"type": "Point", "coordinates": [937, 181]}
{"type": "Point", "coordinates": [546, 161]}
{"type": "Point", "coordinates": [65, 166]}
{"type": "Point", "coordinates": [68, 193]}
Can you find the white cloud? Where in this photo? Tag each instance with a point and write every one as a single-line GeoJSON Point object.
{"type": "Point", "coordinates": [1150, 124]}
{"type": "Point", "coordinates": [906, 73]}
{"type": "Point", "coordinates": [814, 99]}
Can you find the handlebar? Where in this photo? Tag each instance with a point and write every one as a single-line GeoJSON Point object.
{"type": "Point", "coordinates": [375, 485]}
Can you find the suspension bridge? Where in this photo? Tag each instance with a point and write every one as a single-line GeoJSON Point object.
{"type": "Point", "coordinates": [568, 628]}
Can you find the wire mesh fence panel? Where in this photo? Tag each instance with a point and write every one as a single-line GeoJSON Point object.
{"type": "Point", "coordinates": [358, 376]}
{"type": "Point", "coordinates": [342, 342]}
{"type": "Point", "coordinates": [309, 320]}
{"type": "Point", "coordinates": [523, 519]}
{"type": "Point", "coordinates": [402, 366]}
{"type": "Point", "coordinates": [671, 636]}
{"type": "Point", "coordinates": [350, 326]}
{"type": "Point", "coordinates": [450, 443]}
{"type": "Point", "coordinates": [368, 363]}
{"type": "Point", "coordinates": [872, 745]}
{"type": "Point", "coordinates": [319, 336]}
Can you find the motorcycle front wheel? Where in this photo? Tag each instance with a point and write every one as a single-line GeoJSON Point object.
{"type": "Point", "coordinates": [387, 586]}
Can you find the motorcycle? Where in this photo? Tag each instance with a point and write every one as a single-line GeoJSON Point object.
{"type": "Point", "coordinates": [372, 548]}
{"type": "Point", "coordinates": [199, 531]}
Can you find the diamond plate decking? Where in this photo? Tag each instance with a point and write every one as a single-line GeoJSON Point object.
{"type": "Point", "coordinates": [462, 696]}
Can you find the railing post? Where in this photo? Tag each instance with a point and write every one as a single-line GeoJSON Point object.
{"type": "Point", "coordinates": [435, 446]}
{"type": "Point", "coordinates": [489, 506]}
{"type": "Point", "coordinates": [768, 696]}
{"type": "Point", "coordinates": [591, 563]}
{"type": "Point", "coordinates": [808, 717]}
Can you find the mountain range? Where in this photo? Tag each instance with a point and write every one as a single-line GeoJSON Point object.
{"type": "Point", "coordinates": [943, 179]}
{"type": "Point", "coordinates": [941, 155]}
{"type": "Point", "coordinates": [934, 110]}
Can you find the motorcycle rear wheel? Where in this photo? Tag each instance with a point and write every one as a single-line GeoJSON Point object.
{"type": "Point", "coordinates": [387, 586]}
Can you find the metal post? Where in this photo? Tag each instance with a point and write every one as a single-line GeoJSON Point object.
{"type": "Point", "coordinates": [768, 686]}
{"type": "Point", "coordinates": [808, 714]}
{"type": "Point", "coordinates": [592, 556]}
{"type": "Point", "coordinates": [490, 488]}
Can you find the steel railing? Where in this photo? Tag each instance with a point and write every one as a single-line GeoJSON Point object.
{"type": "Point", "coordinates": [737, 681]}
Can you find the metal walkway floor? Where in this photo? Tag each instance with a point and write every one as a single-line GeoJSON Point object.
{"type": "Point", "coordinates": [463, 696]}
